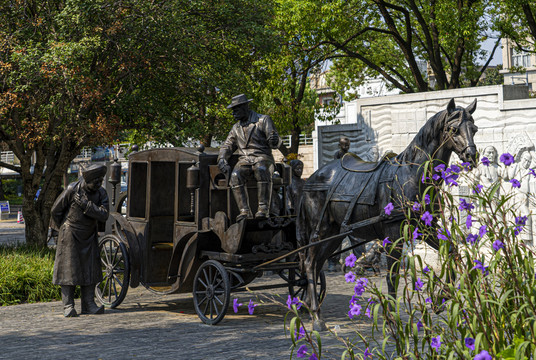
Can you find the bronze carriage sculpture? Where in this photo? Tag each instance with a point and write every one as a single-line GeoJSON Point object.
{"type": "Point", "coordinates": [179, 234]}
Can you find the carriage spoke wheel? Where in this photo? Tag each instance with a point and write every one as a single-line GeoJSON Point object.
{"type": "Point", "coordinates": [297, 285]}
{"type": "Point", "coordinates": [212, 290]}
{"type": "Point", "coordinates": [111, 291]}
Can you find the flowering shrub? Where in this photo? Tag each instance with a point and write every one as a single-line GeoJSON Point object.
{"type": "Point", "coordinates": [478, 302]}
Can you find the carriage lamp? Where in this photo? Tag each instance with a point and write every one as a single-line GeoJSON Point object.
{"type": "Point", "coordinates": [115, 177]}
{"type": "Point", "coordinates": [192, 183]}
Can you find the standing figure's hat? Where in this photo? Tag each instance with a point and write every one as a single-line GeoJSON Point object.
{"type": "Point", "coordinates": [239, 100]}
{"type": "Point", "coordinates": [93, 172]}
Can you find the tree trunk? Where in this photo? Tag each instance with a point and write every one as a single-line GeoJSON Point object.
{"type": "Point", "coordinates": [2, 194]}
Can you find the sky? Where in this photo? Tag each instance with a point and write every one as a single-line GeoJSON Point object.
{"type": "Point", "coordinates": [497, 58]}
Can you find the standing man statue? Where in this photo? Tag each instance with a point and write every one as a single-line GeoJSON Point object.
{"type": "Point", "coordinates": [344, 146]}
{"type": "Point", "coordinates": [295, 189]}
{"type": "Point", "coordinates": [76, 214]}
{"type": "Point", "coordinates": [254, 136]}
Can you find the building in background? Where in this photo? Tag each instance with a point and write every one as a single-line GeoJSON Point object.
{"type": "Point", "coordinates": [514, 58]}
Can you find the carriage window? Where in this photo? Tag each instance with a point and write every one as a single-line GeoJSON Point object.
{"type": "Point", "coordinates": [138, 189]}
{"type": "Point", "coordinates": [184, 194]}
{"type": "Point", "coordinates": [162, 188]}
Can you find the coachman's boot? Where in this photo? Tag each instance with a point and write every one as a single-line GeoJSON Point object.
{"type": "Point", "coordinates": [67, 297]}
{"type": "Point", "coordinates": [241, 198]}
{"type": "Point", "coordinates": [264, 193]}
{"type": "Point", "coordinates": [88, 301]}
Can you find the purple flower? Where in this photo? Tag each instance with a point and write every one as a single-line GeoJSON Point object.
{"type": "Point", "coordinates": [416, 206]}
{"type": "Point", "coordinates": [366, 354]}
{"type": "Point", "coordinates": [443, 234]}
{"type": "Point", "coordinates": [236, 305]}
{"type": "Point", "coordinates": [251, 307]}
{"type": "Point", "coordinates": [455, 168]}
{"type": "Point", "coordinates": [436, 177]}
{"type": "Point", "coordinates": [427, 199]}
{"type": "Point", "coordinates": [477, 189]}
{"type": "Point", "coordinates": [428, 300]}
{"type": "Point", "coordinates": [498, 245]}
{"type": "Point", "coordinates": [482, 231]}
{"type": "Point", "coordinates": [480, 266]}
{"type": "Point", "coordinates": [423, 178]}
{"type": "Point", "coordinates": [439, 168]}
{"type": "Point", "coordinates": [313, 357]}
{"type": "Point", "coordinates": [532, 172]}
{"type": "Point", "coordinates": [419, 325]}
{"type": "Point", "coordinates": [368, 312]}
{"type": "Point", "coordinates": [464, 205]}
{"type": "Point", "coordinates": [472, 239]}
{"type": "Point", "coordinates": [355, 310]}
{"type": "Point", "coordinates": [388, 208]}
{"type": "Point", "coordinates": [484, 355]}
{"type": "Point", "coordinates": [419, 284]}
{"type": "Point", "coordinates": [427, 218]}
{"type": "Point", "coordinates": [292, 301]}
{"type": "Point", "coordinates": [363, 282]}
{"type": "Point", "coordinates": [470, 343]}
{"type": "Point", "coordinates": [350, 260]}
{"type": "Point", "coordinates": [466, 166]}
{"type": "Point", "coordinates": [507, 159]}
{"type": "Point", "coordinates": [515, 183]}
{"type": "Point", "coordinates": [521, 220]}
{"type": "Point", "coordinates": [416, 233]}
{"type": "Point", "coordinates": [436, 342]}
{"type": "Point", "coordinates": [302, 351]}
{"type": "Point", "coordinates": [301, 334]}
{"type": "Point", "coordinates": [469, 221]}
{"type": "Point", "coordinates": [485, 161]}
{"type": "Point", "coordinates": [386, 241]}
{"type": "Point", "coordinates": [426, 270]}
{"type": "Point", "coordinates": [349, 277]}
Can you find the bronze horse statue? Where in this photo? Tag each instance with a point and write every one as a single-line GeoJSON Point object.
{"type": "Point", "coordinates": [349, 192]}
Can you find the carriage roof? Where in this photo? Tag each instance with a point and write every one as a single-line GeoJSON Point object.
{"type": "Point", "coordinates": [171, 154]}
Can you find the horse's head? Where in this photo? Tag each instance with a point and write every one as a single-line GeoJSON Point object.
{"type": "Point", "coordinates": [459, 130]}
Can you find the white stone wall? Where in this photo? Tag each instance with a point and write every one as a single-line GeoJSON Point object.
{"type": "Point", "coordinates": [393, 121]}
{"type": "Point", "coordinates": [306, 154]}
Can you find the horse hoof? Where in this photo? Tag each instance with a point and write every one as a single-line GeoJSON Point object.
{"type": "Point", "coordinates": [319, 325]}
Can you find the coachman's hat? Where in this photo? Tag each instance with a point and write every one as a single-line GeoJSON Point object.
{"type": "Point", "coordinates": [93, 172]}
{"type": "Point", "coordinates": [239, 100]}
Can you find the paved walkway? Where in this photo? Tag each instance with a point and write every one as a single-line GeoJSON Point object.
{"type": "Point", "coordinates": [11, 232]}
{"type": "Point", "coordinates": [148, 326]}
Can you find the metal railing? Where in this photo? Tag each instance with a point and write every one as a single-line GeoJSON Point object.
{"type": "Point", "coordinates": [305, 139]}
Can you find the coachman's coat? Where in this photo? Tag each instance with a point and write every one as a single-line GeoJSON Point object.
{"type": "Point", "coordinates": [77, 251]}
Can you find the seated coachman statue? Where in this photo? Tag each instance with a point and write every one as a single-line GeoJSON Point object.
{"type": "Point", "coordinates": [253, 136]}
{"type": "Point", "coordinates": [76, 214]}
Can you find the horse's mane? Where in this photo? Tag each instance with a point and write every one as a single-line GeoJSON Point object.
{"type": "Point", "coordinates": [427, 135]}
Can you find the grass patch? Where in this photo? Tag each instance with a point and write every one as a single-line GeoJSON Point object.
{"type": "Point", "coordinates": [26, 275]}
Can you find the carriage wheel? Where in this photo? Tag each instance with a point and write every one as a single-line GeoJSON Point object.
{"type": "Point", "coordinates": [212, 290]}
{"type": "Point", "coordinates": [111, 291]}
{"type": "Point", "coordinates": [121, 204]}
{"type": "Point", "coordinates": [297, 285]}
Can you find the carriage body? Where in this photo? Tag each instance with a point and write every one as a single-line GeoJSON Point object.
{"type": "Point", "coordinates": [180, 216]}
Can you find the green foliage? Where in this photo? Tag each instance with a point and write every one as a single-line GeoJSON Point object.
{"type": "Point", "coordinates": [482, 295]}
{"type": "Point", "coordinates": [516, 20]}
{"type": "Point", "coordinates": [26, 275]}
{"type": "Point", "coordinates": [396, 40]}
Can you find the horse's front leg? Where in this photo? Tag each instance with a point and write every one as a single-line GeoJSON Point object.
{"type": "Point", "coordinates": [314, 305]}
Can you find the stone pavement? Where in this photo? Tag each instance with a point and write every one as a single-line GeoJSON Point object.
{"type": "Point", "coordinates": [148, 326]}
{"type": "Point", "coordinates": [11, 233]}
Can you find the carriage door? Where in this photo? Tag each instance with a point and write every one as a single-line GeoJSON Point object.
{"type": "Point", "coordinates": [161, 220]}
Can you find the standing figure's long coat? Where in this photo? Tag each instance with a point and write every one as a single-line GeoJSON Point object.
{"type": "Point", "coordinates": [77, 251]}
